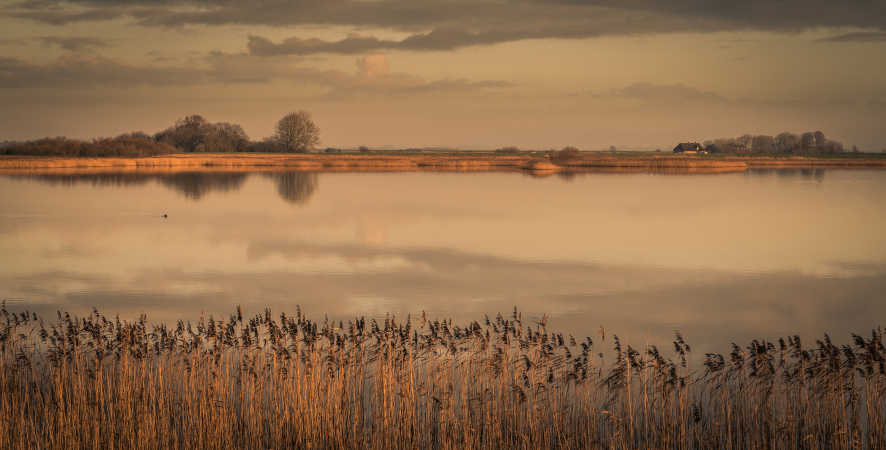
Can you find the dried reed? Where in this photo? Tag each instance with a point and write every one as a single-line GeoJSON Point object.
{"type": "Point", "coordinates": [287, 381]}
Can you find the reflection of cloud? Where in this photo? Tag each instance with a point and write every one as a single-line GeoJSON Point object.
{"type": "Point", "coordinates": [641, 304]}
{"type": "Point", "coordinates": [369, 232]}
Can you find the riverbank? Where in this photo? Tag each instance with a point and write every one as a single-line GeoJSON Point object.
{"type": "Point", "coordinates": [533, 163]}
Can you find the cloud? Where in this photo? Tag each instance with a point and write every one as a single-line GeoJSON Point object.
{"type": "Point", "coordinates": [76, 71]}
{"type": "Point", "coordinates": [437, 25]}
{"type": "Point", "coordinates": [860, 36]}
{"type": "Point", "coordinates": [260, 46]}
{"type": "Point", "coordinates": [373, 65]}
{"type": "Point", "coordinates": [93, 71]}
{"type": "Point", "coordinates": [74, 44]}
{"type": "Point", "coordinates": [60, 17]}
{"type": "Point", "coordinates": [663, 93]}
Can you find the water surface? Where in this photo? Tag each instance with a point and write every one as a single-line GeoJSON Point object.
{"type": "Point", "coordinates": [722, 258]}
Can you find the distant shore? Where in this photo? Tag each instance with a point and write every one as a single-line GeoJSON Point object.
{"type": "Point", "coordinates": [538, 163]}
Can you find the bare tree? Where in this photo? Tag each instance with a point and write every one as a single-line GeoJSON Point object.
{"type": "Point", "coordinates": [807, 141]}
{"type": "Point", "coordinates": [763, 144]}
{"type": "Point", "coordinates": [820, 140]}
{"type": "Point", "coordinates": [787, 142]}
{"type": "Point", "coordinates": [297, 132]}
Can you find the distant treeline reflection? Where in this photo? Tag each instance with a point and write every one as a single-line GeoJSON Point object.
{"type": "Point", "coordinates": [815, 174]}
{"type": "Point", "coordinates": [294, 187]}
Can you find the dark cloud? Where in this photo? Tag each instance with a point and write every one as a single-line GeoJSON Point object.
{"type": "Point", "coordinates": [664, 93]}
{"type": "Point", "coordinates": [436, 40]}
{"type": "Point", "coordinates": [450, 25]}
{"type": "Point", "coordinates": [80, 71]}
{"type": "Point", "coordinates": [294, 46]}
{"type": "Point", "coordinates": [74, 44]}
{"type": "Point", "coordinates": [458, 23]}
{"type": "Point", "coordinates": [62, 17]}
{"type": "Point", "coordinates": [860, 36]}
{"type": "Point", "coordinates": [87, 72]}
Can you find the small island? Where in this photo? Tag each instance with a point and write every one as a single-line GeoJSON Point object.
{"type": "Point", "coordinates": [195, 143]}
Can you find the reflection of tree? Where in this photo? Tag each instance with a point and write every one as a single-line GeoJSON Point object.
{"type": "Point", "coordinates": [104, 179]}
{"type": "Point", "coordinates": [295, 187]}
{"type": "Point", "coordinates": [815, 174]}
{"type": "Point", "coordinates": [195, 185]}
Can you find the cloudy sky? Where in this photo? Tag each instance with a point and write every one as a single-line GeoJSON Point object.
{"type": "Point", "coordinates": [465, 73]}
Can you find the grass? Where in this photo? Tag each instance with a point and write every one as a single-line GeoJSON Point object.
{"type": "Point", "coordinates": [287, 381]}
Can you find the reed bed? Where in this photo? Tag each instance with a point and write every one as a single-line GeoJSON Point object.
{"type": "Point", "coordinates": [424, 162]}
{"type": "Point", "coordinates": [286, 381]}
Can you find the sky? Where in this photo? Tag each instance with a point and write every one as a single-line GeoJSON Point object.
{"type": "Point", "coordinates": [635, 74]}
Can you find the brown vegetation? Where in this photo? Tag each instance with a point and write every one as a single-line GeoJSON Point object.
{"type": "Point", "coordinates": [289, 382]}
{"type": "Point", "coordinates": [562, 157]}
{"type": "Point", "coordinates": [583, 162]}
{"type": "Point", "coordinates": [125, 145]}
{"type": "Point", "coordinates": [808, 143]}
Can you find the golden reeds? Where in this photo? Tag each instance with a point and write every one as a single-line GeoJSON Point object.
{"type": "Point", "coordinates": [573, 161]}
{"type": "Point", "coordinates": [286, 381]}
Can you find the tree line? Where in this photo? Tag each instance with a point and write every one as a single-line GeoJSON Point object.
{"type": "Point", "coordinates": [296, 132]}
{"type": "Point", "coordinates": [810, 142]}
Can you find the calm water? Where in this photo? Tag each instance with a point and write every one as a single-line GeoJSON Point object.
{"type": "Point", "coordinates": [719, 257]}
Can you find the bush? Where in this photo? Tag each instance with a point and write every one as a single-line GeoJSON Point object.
{"type": "Point", "coordinates": [565, 155]}
{"type": "Point", "coordinates": [127, 145]}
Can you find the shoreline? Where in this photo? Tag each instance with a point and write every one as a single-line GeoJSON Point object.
{"type": "Point", "coordinates": [425, 162]}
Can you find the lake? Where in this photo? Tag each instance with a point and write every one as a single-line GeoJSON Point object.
{"type": "Point", "coordinates": [722, 258]}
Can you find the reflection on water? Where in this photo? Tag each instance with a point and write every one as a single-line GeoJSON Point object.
{"type": "Point", "coordinates": [809, 174]}
{"type": "Point", "coordinates": [294, 187]}
{"type": "Point", "coordinates": [195, 185]}
{"type": "Point", "coordinates": [720, 257]}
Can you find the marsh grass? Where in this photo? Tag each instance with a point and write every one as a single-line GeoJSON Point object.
{"type": "Point", "coordinates": [286, 381]}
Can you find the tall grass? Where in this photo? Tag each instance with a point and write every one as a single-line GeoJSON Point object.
{"type": "Point", "coordinates": [286, 381]}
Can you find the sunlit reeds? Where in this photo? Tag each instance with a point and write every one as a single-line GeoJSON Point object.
{"type": "Point", "coordinates": [447, 162]}
{"type": "Point", "coordinates": [287, 381]}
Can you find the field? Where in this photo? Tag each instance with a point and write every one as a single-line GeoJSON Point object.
{"type": "Point", "coordinates": [275, 381]}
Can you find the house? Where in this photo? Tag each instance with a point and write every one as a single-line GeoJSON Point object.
{"type": "Point", "coordinates": [689, 148]}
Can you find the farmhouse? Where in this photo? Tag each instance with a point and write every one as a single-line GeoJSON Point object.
{"type": "Point", "coordinates": [689, 148]}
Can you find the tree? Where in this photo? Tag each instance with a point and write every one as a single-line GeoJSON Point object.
{"type": "Point", "coordinates": [807, 141]}
{"type": "Point", "coordinates": [225, 137]}
{"type": "Point", "coordinates": [820, 140]}
{"type": "Point", "coordinates": [763, 144]}
{"type": "Point", "coordinates": [787, 142]}
{"type": "Point", "coordinates": [296, 132]}
{"type": "Point", "coordinates": [187, 134]}
{"type": "Point", "coordinates": [195, 134]}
